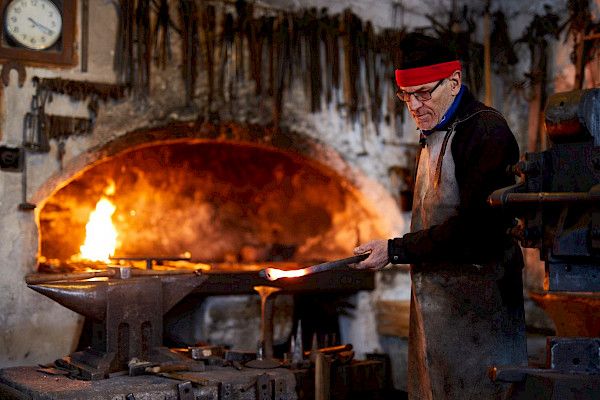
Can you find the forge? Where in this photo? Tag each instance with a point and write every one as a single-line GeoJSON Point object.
{"type": "Point", "coordinates": [216, 201]}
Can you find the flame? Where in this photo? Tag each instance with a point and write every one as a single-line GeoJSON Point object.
{"type": "Point", "coordinates": [111, 188]}
{"type": "Point", "coordinates": [100, 233]}
{"type": "Point", "coordinates": [273, 274]}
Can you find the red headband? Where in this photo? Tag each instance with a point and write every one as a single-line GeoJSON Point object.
{"type": "Point", "coordinates": [426, 74]}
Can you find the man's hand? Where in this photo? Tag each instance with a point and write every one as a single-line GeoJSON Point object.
{"type": "Point", "coordinates": [378, 257]}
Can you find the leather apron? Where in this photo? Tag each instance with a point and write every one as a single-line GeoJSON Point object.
{"type": "Point", "coordinates": [464, 318]}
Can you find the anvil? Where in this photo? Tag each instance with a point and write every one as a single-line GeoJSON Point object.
{"type": "Point", "coordinates": [127, 317]}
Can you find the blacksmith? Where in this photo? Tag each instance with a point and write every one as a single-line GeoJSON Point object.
{"type": "Point", "coordinates": [467, 301]}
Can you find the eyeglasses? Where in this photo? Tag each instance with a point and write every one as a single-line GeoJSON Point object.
{"type": "Point", "coordinates": [420, 95]}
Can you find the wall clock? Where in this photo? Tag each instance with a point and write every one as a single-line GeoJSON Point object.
{"type": "Point", "coordinates": [38, 32]}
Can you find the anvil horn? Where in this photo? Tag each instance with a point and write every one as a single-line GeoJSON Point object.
{"type": "Point", "coordinates": [85, 298]}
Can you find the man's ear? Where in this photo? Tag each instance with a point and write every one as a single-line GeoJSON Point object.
{"type": "Point", "coordinates": [455, 81]}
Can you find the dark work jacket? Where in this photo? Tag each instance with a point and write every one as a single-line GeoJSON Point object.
{"type": "Point", "coordinates": [466, 300]}
{"type": "Point", "coordinates": [483, 148]}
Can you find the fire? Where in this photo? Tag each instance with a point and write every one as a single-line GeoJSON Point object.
{"type": "Point", "coordinates": [273, 274]}
{"type": "Point", "coordinates": [100, 233]}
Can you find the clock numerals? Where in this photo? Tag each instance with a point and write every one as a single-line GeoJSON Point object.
{"type": "Point", "coordinates": [35, 24]}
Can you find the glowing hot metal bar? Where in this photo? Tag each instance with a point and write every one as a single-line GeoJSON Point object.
{"type": "Point", "coordinates": [273, 274]}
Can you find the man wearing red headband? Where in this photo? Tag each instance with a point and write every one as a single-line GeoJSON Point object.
{"type": "Point", "coordinates": [467, 300]}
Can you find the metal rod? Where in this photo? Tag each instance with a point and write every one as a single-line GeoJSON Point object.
{"type": "Point", "coordinates": [550, 197]}
{"type": "Point", "coordinates": [112, 272]}
{"type": "Point", "coordinates": [33, 279]}
{"type": "Point", "coordinates": [331, 350]}
{"type": "Point", "coordinates": [151, 260]}
{"type": "Point", "coordinates": [85, 27]}
{"type": "Point", "coordinates": [327, 266]}
{"type": "Point", "coordinates": [274, 273]}
{"type": "Point", "coordinates": [24, 205]}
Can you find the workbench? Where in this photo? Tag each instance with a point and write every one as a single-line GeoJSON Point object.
{"type": "Point", "coordinates": [362, 380]}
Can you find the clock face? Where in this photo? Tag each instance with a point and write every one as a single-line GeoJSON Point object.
{"type": "Point", "coordinates": [34, 24]}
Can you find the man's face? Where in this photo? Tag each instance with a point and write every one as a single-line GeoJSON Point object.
{"type": "Point", "coordinates": [428, 113]}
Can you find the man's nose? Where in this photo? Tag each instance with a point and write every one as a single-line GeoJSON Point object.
{"type": "Point", "coordinates": [413, 103]}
